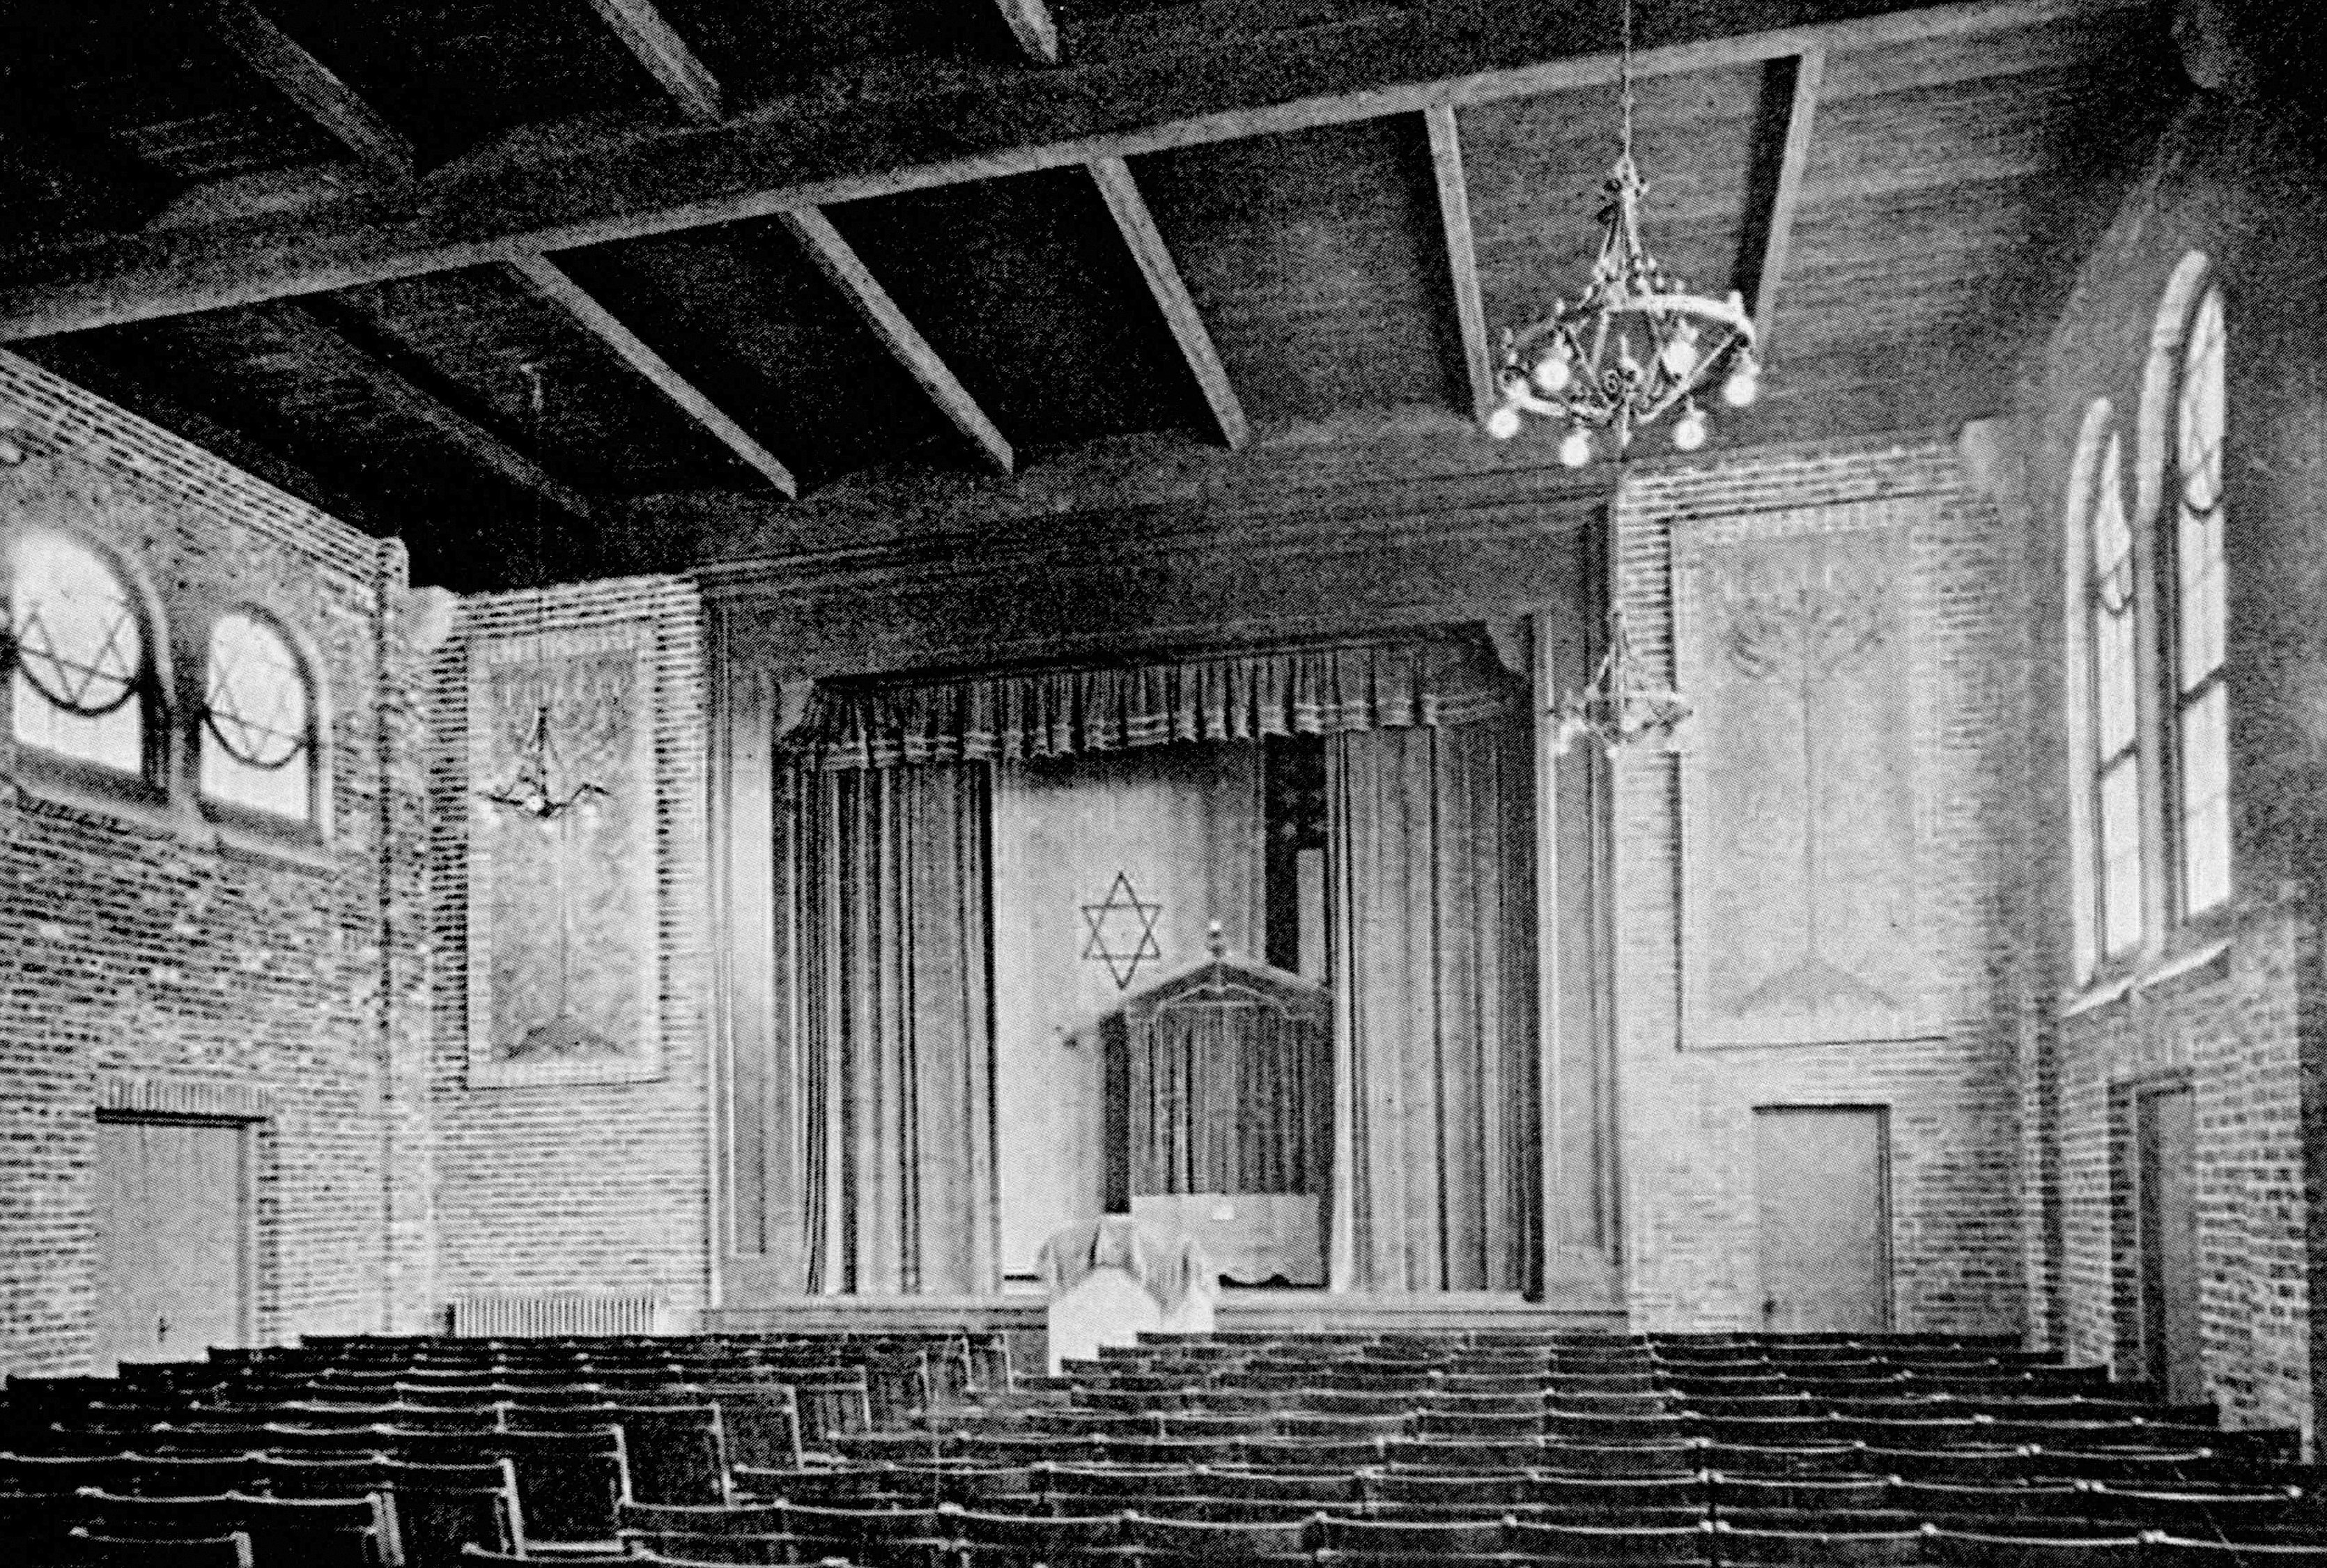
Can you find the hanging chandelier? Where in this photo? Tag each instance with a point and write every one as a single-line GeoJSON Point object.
{"type": "Point", "coordinates": [530, 790]}
{"type": "Point", "coordinates": [1624, 703]}
{"type": "Point", "coordinates": [1634, 346]}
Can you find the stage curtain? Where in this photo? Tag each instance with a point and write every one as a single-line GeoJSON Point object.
{"type": "Point", "coordinates": [1436, 1129]}
{"type": "Point", "coordinates": [896, 1042]}
{"type": "Point", "coordinates": [1061, 712]}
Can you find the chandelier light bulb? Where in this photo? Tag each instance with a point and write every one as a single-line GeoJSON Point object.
{"type": "Point", "coordinates": [1744, 384]}
{"type": "Point", "coordinates": [1680, 355]}
{"type": "Point", "coordinates": [1575, 447]}
{"type": "Point", "coordinates": [1503, 423]}
{"type": "Point", "coordinates": [1690, 432]}
{"type": "Point", "coordinates": [1554, 371]}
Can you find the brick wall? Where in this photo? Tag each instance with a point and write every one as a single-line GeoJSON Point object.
{"type": "Point", "coordinates": [1691, 1203]}
{"type": "Point", "coordinates": [150, 957]}
{"type": "Point", "coordinates": [2233, 1008]}
{"type": "Point", "coordinates": [591, 1186]}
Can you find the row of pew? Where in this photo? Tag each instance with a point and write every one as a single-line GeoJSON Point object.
{"type": "Point", "coordinates": [1384, 1450]}
{"type": "Point", "coordinates": [378, 1452]}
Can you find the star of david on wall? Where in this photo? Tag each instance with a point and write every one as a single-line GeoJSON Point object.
{"type": "Point", "coordinates": [1122, 931]}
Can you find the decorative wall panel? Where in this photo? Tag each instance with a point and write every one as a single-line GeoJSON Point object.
{"type": "Point", "coordinates": [1798, 641]}
{"type": "Point", "coordinates": [563, 981]}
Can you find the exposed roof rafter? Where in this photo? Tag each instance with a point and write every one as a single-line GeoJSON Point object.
{"type": "Point", "coordinates": [668, 57]}
{"type": "Point", "coordinates": [600, 322]}
{"type": "Point", "coordinates": [323, 345]}
{"type": "Point", "coordinates": [1461, 256]}
{"type": "Point", "coordinates": [1785, 197]}
{"type": "Point", "coordinates": [1137, 225]}
{"type": "Point", "coordinates": [1029, 24]}
{"type": "Point", "coordinates": [306, 81]}
{"type": "Point", "coordinates": [839, 260]}
{"type": "Point", "coordinates": [558, 187]}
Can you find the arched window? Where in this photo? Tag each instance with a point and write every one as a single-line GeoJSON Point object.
{"type": "Point", "coordinates": [2113, 589]}
{"type": "Point", "coordinates": [257, 744]}
{"type": "Point", "coordinates": [81, 655]}
{"type": "Point", "coordinates": [2200, 699]}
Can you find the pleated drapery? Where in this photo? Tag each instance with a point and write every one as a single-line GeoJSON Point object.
{"type": "Point", "coordinates": [1436, 1127]}
{"type": "Point", "coordinates": [1056, 712]}
{"type": "Point", "coordinates": [896, 1043]}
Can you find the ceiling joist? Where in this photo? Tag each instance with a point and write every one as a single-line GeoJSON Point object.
{"type": "Point", "coordinates": [1785, 197]}
{"type": "Point", "coordinates": [321, 346]}
{"type": "Point", "coordinates": [557, 286]}
{"type": "Point", "coordinates": [558, 187]}
{"type": "Point", "coordinates": [1461, 256]}
{"type": "Point", "coordinates": [668, 57]}
{"type": "Point", "coordinates": [838, 261]}
{"type": "Point", "coordinates": [306, 81]}
{"type": "Point", "coordinates": [1137, 225]}
{"type": "Point", "coordinates": [1029, 24]}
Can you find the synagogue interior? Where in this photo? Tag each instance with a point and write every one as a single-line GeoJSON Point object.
{"type": "Point", "coordinates": [1162, 781]}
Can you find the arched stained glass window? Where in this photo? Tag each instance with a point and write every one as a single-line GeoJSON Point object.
{"type": "Point", "coordinates": [81, 655]}
{"type": "Point", "coordinates": [2201, 697]}
{"type": "Point", "coordinates": [257, 737]}
{"type": "Point", "coordinates": [2114, 588]}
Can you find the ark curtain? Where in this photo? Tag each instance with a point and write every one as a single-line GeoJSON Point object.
{"type": "Point", "coordinates": [1437, 1126]}
{"type": "Point", "coordinates": [897, 1050]}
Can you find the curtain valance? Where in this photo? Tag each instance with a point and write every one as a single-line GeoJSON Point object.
{"type": "Point", "coordinates": [1242, 697]}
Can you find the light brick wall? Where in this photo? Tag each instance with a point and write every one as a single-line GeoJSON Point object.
{"type": "Point", "coordinates": [580, 1187]}
{"type": "Point", "coordinates": [146, 955]}
{"type": "Point", "coordinates": [1692, 1218]}
{"type": "Point", "coordinates": [2244, 1028]}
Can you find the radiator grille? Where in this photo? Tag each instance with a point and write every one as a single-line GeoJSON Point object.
{"type": "Point", "coordinates": [554, 1315]}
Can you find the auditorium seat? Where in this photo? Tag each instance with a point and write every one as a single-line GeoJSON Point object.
{"type": "Point", "coordinates": [81, 1549]}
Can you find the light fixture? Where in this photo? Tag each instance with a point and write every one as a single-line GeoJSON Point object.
{"type": "Point", "coordinates": [531, 789]}
{"type": "Point", "coordinates": [1622, 705]}
{"type": "Point", "coordinates": [1634, 345]}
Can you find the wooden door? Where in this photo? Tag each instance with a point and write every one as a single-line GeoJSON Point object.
{"type": "Point", "coordinates": [2166, 1134]}
{"type": "Point", "coordinates": [1824, 1179]}
{"type": "Point", "coordinates": [174, 1238]}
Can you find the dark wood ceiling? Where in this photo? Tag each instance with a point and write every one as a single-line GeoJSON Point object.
{"type": "Point", "coordinates": [749, 249]}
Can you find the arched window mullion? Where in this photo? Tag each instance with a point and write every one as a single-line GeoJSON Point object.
{"type": "Point", "coordinates": [2196, 693]}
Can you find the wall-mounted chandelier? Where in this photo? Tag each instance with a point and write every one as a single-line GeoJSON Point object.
{"type": "Point", "coordinates": [1623, 704]}
{"type": "Point", "coordinates": [1635, 345]}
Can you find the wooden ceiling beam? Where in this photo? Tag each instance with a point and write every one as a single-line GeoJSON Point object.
{"type": "Point", "coordinates": [306, 81]}
{"type": "Point", "coordinates": [838, 261]}
{"type": "Point", "coordinates": [668, 57]}
{"type": "Point", "coordinates": [555, 285]}
{"type": "Point", "coordinates": [546, 188]}
{"type": "Point", "coordinates": [1029, 24]}
{"type": "Point", "coordinates": [1137, 225]}
{"type": "Point", "coordinates": [318, 342]}
{"type": "Point", "coordinates": [1785, 198]}
{"type": "Point", "coordinates": [1462, 256]}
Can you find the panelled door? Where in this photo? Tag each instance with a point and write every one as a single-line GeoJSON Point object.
{"type": "Point", "coordinates": [173, 1207]}
{"type": "Point", "coordinates": [1824, 1177]}
{"type": "Point", "coordinates": [2166, 1134]}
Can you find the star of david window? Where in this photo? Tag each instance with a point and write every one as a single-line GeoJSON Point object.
{"type": "Point", "coordinates": [1122, 931]}
{"type": "Point", "coordinates": [257, 748]}
{"type": "Point", "coordinates": [79, 655]}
